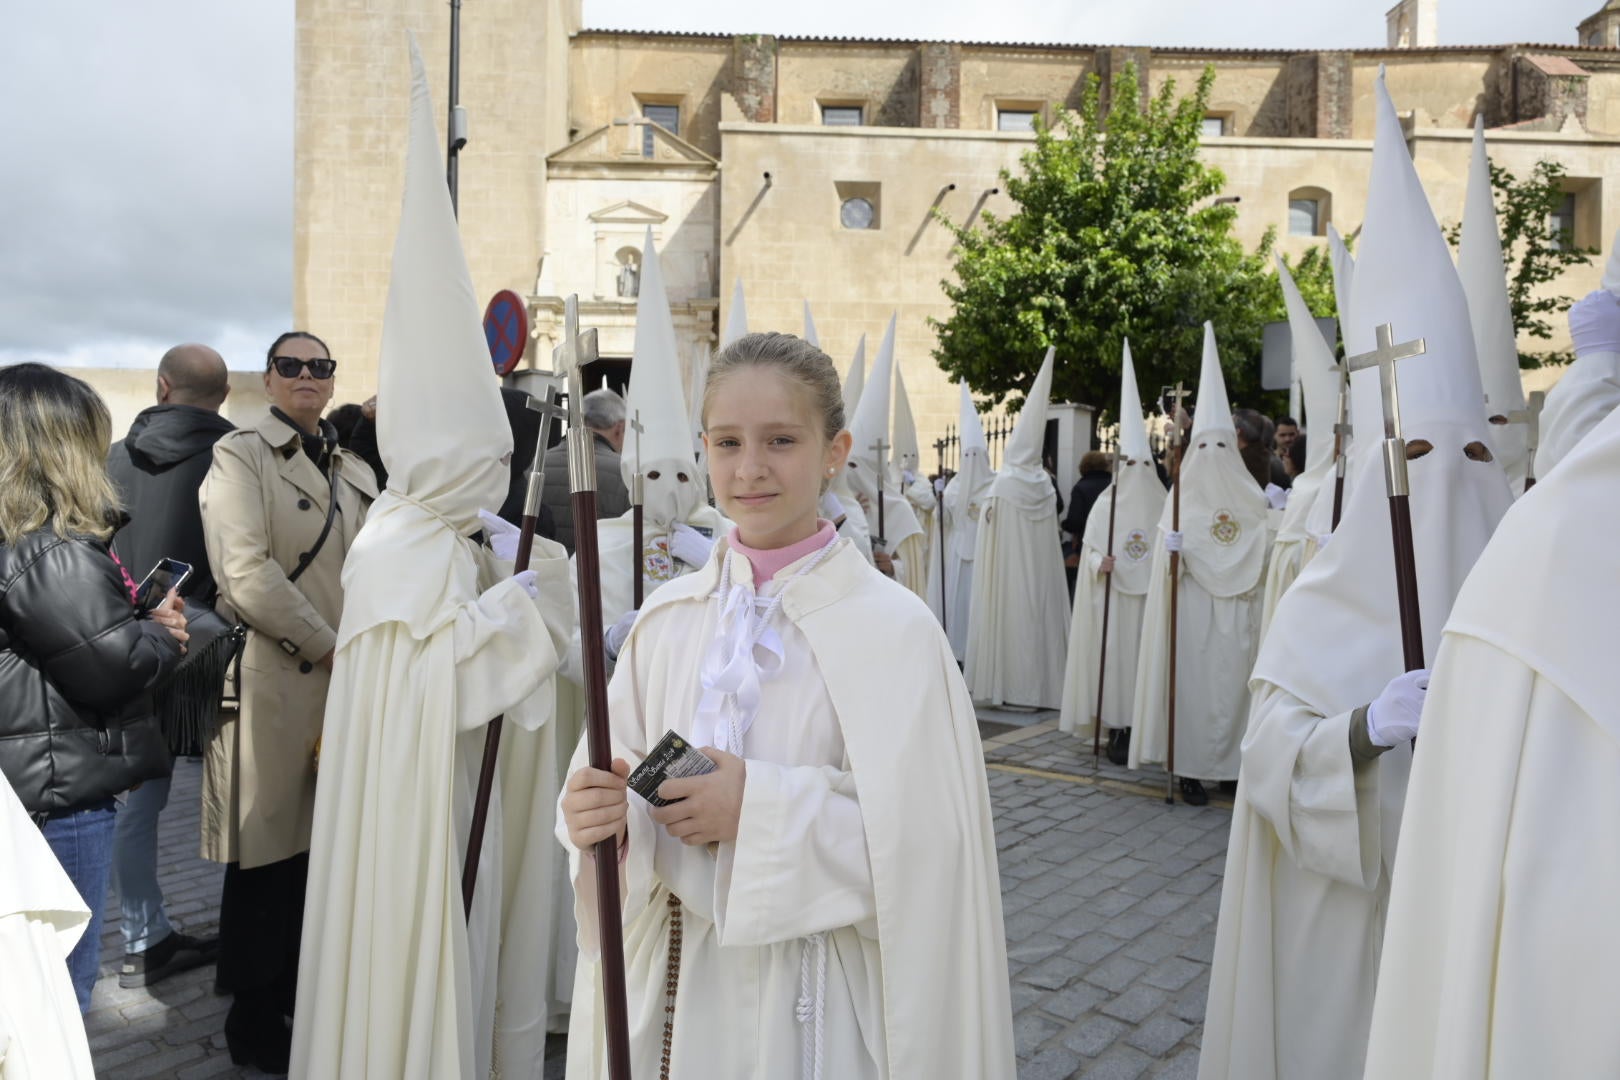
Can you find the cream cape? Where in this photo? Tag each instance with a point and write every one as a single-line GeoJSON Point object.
{"type": "Point", "coordinates": [1576, 404]}
{"type": "Point", "coordinates": [966, 494]}
{"type": "Point", "coordinates": [943, 1012]}
{"type": "Point", "coordinates": [41, 919]}
{"type": "Point", "coordinates": [1500, 931]}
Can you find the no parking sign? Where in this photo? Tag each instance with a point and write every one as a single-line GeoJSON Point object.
{"type": "Point", "coordinates": [506, 330]}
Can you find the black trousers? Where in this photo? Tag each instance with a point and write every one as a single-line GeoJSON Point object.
{"type": "Point", "coordinates": [261, 918]}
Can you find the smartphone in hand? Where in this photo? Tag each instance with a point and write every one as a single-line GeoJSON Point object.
{"type": "Point", "coordinates": [166, 575]}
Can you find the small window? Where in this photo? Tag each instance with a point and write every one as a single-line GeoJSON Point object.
{"type": "Point", "coordinates": [1015, 119]}
{"type": "Point", "coordinates": [857, 213]}
{"type": "Point", "coordinates": [667, 117]}
{"type": "Point", "coordinates": [842, 115]}
{"type": "Point", "coordinates": [1214, 127]}
{"type": "Point", "coordinates": [1562, 223]}
{"type": "Point", "coordinates": [1304, 217]}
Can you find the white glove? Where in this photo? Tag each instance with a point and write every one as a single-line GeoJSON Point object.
{"type": "Point", "coordinates": [1594, 323]}
{"type": "Point", "coordinates": [529, 579]}
{"type": "Point", "coordinates": [1172, 541]}
{"type": "Point", "coordinates": [832, 507]}
{"type": "Point", "coordinates": [613, 637]}
{"type": "Point", "coordinates": [1276, 496]}
{"type": "Point", "coordinates": [689, 545]}
{"type": "Point", "coordinates": [1322, 539]}
{"type": "Point", "coordinates": [1393, 718]}
{"type": "Point", "coordinates": [502, 534]}
{"type": "Point", "coordinates": [939, 486]}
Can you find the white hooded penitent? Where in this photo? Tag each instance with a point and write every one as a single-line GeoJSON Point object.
{"type": "Point", "coordinates": [810, 334]}
{"type": "Point", "coordinates": [736, 317]}
{"type": "Point", "coordinates": [1484, 283]}
{"type": "Point", "coordinates": [1018, 636]}
{"type": "Point", "coordinates": [1135, 516]}
{"type": "Point", "coordinates": [1314, 828]}
{"type": "Point", "coordinates": [436, 640]}
{"type": "Point", "coordinates": [904, 536]}
{"type": "Point", "coordinates": [1590, 389]}
{"type": "Point", "coordinates": [964, 500]}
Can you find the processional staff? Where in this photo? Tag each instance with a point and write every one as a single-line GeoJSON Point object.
{"type": "Point", "coordinates": [638, 532]}
{"type": "Point", "coordinates": [492, 737]}
{"type": "Point", "coordinates": [1384, 358]}
{"type": "Point", "coordinates": [881, 448]}
{"type": "Point", "coordinates": [1108, 598]}
{"type": "Point", "coordinates": [1341, 433]}
{"type": "Point", "coordinates": [939, 516]}
{"type": "Point", "coordinates": [1177, 446]}
{"type": "Point", "coordinates": [1530, 416]}
{"type": "Point", "coordinates": [577, 351]}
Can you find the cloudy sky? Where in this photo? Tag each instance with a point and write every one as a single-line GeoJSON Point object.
{"type": "Point", "coordinates": [147, 184]}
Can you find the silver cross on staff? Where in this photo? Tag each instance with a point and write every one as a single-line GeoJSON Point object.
{"type": "Point", "coordinates": [637, 479]}
{"type": "Point", "coordinates": [537, 471]}
{"type": "Point", "coordinates": [1530, 416]}
{"type": "Point", "coordinates": [1342, 429]}
{"type": "Point", "coordinates": [1384, 358]}
{"type": "Point", "coordinates": [1177, 396]}
{"type": "Point", "coordinates": [576, 351]}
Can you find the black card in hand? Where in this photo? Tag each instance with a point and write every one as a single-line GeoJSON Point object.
{"type": "Point", "coordinates": [673, 757]}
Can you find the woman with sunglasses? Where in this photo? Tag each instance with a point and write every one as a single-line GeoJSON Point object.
{"type": "Point", "coordinates": [280, 507]}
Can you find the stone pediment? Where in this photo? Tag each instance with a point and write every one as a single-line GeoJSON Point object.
{"type": "Point", "coordinates": [628, 213]}
{"type": "Point", "coordinates": [621, 143]}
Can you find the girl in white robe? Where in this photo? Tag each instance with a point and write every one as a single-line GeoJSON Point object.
{"type": "Point", "coordinates": [803, 878]}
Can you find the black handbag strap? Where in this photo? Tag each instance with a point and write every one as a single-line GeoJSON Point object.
{"type": "Point", "coordinates": [326, 530]}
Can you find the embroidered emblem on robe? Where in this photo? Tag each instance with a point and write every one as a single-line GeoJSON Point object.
{"type": "Point", "coordinates": [1225, 530]}
{"type": "Point", "coordinates": [1136, 546]}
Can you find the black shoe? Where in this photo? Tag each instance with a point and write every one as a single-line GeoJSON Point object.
{"type": "Point", "coordinates": [258, 1038]}
{"type": "Point", "coordinates": [1193, 793]}
{"type": "Point", "coordinates": [1119, 745]}
{"type": "Point", "coordinates": [176, 953]}
{"type": "Point", "coordinates": [1228, 787]}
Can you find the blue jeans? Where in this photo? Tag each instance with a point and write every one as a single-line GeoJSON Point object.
{"type": "Point", "coordinates": [134, 872]}
{"type": "Point", "coordinates": [82, 841]}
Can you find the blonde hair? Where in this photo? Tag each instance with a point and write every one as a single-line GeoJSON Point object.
{"type": "Point", "coordinates": [54, 435]}
{"type": "Point", "coordinates": [794, 357]}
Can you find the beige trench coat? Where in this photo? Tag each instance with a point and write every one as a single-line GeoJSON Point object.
{"type": "Point", "coordinates": [263, 505]}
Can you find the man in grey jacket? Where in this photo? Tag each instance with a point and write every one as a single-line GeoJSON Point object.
{"type": "Point", "coordinates": [604, 416]}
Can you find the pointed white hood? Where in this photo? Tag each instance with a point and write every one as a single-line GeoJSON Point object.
{"type": "Point", "coordinates": [441, 428]}
{"type": "Point", "coordinates": [736, 318]}
{"type": "Point", "coordinates": [1484, 283]}
{"type": "Point", "coordinates": [1029, 431]}
{"type": "Point", "coordinates": [1223, 511]}
{"type": "Point", "coordinates": [1344, 275]}
{"type": "Point", "coordinates": [907, 453]}
{"type": "Point", "coordinates": [870, 422]}
{"type": "Point", "coordinates": [855, 381]}
{"type": "Point", "coordinates": [966, 491]}
{"type": "Point", "coordinates": [1343, 604]}
{"type": "Point", "coordinates": [1141, 496]}
{"type": "Point", "coordinates": [1314, 364]}
{"type": "Point", "coordinates": [1313, 360]}
{"type": "Point", "coordinates": [672, 487]}
{"type": "Point", "coordinates": [810, 334]}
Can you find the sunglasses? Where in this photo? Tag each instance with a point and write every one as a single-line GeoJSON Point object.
{"type": "Point", "coordinates": [289, 367]}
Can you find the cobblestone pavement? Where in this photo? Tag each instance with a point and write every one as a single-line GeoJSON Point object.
{"type": "Point", "coordinates": [1110, 898]}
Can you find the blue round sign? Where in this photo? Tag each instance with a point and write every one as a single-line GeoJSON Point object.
{"type": "Point", "coordinates": [506, 330]}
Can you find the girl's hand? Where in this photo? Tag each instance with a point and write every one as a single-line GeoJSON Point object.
{"type": "Point", "coordinates": [710, 805]}
{"type": "Point", "coordinates": [596, 805]}
{"type": "Point", "coordinates": [171, 615]}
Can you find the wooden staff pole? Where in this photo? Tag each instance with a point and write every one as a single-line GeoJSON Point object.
{"type": "Point", "coordinates": [598, 734]}
{"type": "Point", "coordinates": [1341, 431]}
{"type": "Point", "coordinates": [492, 735]}
{"type": "Point", "coordinates": [1177, 444]}
{"type": "Point", "coordinates": [1108, 599]}
{"type": "Point", "coordinates": [939, 515]}
{"type": "Point", "coordinates": [638, 527]}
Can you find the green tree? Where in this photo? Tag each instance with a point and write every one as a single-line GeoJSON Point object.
{"type": "Point", "coordinates": [1117, 233]}
{"type": "Point", "coordinates": [1536, 250]}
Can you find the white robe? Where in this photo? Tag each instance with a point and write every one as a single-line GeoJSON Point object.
{"type": "Point", "coordinates": [1124, 648]}
{"type": "Point", "coordinates": [1304, 894]}
{"type": "Point", "coordinates": [395, 980]}
{"type": "Point", "coordinates": [42, 918]}
{"type": "Point", "coordinates": [831, 839]}
{"type": "Point", "coordinates": [1018, 628]}
{"type": "Point", "coordinates": [953, 560]}
{"type": "Point", "coordinates": [1500, 944]}
{"type": "Point", "coordinates": [1218, 639]}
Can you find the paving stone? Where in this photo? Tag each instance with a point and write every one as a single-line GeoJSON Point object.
{"type": "Point", "coordinates": [1094, 1034]}
{"type": "Point", "coordinates": [1173, 973]}
{"type": "Point", "coordinates": [1159, 1034]}
{"type": "Point", "coordinates": [1075, 1001]}
{"type": "Point", "coordinates": [1116, 973]}
{"type": "Point", "coordinates": [1120, 1063]}
{"type": "Point", "coordinates": [1135, 1004]}
{"type": "Point", "coordinates": [1058, 1063]}
{"type": "Point", "coordinates": [1184, 1066]}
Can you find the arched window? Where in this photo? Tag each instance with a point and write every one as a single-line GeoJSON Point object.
{"type": "Point", "coordinates": [1309, 211]}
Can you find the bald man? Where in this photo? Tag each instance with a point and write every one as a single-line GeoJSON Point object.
{"type": "Point", "coordinates": [158, 468]}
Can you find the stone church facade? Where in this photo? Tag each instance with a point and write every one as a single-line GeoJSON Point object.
{"type": "Point", "coordinates": [809, 168]}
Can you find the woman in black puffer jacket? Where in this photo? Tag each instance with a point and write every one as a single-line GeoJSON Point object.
{"type": "Point", "coordinates": [77, 667]}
